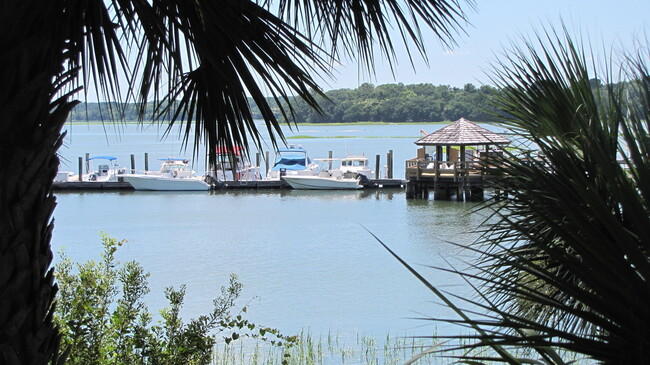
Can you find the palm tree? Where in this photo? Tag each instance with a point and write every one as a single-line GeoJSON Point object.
{"type": "Point", "coordinates": [196, 61]}
{"type": "Point", "coordinates": [564, 263]}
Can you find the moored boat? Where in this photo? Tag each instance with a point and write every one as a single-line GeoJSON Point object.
{"type": "Point", "coordinates": [325, 181]}
{"type": "Point", "coordinates": [107, 171]}
{"type": "Point", "coordinates": [356, 164]}
{"type": "Point", "coordinates": [174, 175]}
{"type": "Point", "coordinates": [292, 161]}
{"type": "Point", "coordinates": [232, 166]}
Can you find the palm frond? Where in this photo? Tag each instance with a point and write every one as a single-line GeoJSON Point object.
{"type": "Point", "coordinates": [356, 27]}
{"type": "Point", "coordinates": [564, 260]}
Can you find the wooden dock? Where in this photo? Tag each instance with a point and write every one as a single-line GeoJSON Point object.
{"type": "Point", "coordinates": [226, 185]}
{"type": "Point", "coordinates": [466, 180]}
{"type": "Point", "coordinates": [91, 186]}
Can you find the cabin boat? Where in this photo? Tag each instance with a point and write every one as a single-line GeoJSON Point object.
{"type": "Point", "coordinates": [351, 174]}
{"type": "Point", "coordinates": [356, 164]}
{"type": "Point", "coordinates": [232, 166]}
{"type": "Point", "coordinates": [174, 175]}
{"type": "Point", "coordinates": [292, 161]}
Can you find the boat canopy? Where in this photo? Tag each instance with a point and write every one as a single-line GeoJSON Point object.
{"type": "Point", "coordinates": [290, 162]}
{"type": "Point", "coordinates": [110, 158]}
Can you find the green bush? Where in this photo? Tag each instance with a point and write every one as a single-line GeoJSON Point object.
{"type": "Point", "coordinates": [103, 318]}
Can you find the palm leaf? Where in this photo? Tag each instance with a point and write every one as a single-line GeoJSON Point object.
{"type": "Point", "coordinates": [564, 260]}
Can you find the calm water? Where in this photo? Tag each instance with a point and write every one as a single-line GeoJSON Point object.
{"type": "Point", "coordinates": [305, 258]}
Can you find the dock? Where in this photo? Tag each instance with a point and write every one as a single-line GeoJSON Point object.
{"type": "Point", "coordinates": [464, 172]}
{"type": "Point", "coordinates": [225, 185]}
{"type": "Point", "coordinates": [465, 180]}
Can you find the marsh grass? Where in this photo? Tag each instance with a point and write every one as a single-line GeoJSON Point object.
{"type": "Point", "coordinates": [332, 348]}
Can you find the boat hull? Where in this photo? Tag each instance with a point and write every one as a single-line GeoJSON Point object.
{"type": "Point", "coordinates": [157, 183]}
{"type": "Point", "coordinates": [321, 183]}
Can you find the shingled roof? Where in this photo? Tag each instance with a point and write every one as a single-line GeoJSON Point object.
{"type": "Point", "coordinates": [461, 133]}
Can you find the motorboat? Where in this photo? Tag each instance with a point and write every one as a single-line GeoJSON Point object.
{"type": "Point", "coordinates": [232, 166]}
{"type": "Point", "coordinates": [292, 161]}
{"type": "Point", "coordinates": [357, 164]}
{"type": "Point", "coordinates": [325, 181]}
{"type": "Point", "coordinates": [107, 171]}
{"type": "Point", "coordinates": [174, 175]}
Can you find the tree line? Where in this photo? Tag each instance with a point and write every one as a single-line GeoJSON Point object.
{"type": "Point", "coordinates": [397, 103]}
{"type": "Point", "coordinates": [389, 103]}
{"type": "Point", "coordinates": [393, 103]}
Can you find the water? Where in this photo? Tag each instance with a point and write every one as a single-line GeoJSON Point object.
{"type": "Point", "coordinates": [304, 257]}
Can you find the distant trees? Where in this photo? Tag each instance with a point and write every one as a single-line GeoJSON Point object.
{"type": "Point", "coordinates": [393, 103]}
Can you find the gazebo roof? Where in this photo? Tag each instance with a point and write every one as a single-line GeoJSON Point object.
{"type": "Point", "coordinates": [461, 133]}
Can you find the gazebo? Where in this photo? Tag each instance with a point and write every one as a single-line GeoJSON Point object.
{"type": "Point", "coordinates": [460, 133]}
{"type": "Point", "coordinates": [456, 172]}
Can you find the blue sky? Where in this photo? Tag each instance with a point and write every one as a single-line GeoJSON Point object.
{"type": "Point", "coordinates": [494, 25]}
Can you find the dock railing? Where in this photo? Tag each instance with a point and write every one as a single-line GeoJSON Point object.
{"type": "Point", "coordinates": [424, 169]}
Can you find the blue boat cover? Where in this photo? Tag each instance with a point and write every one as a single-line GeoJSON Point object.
{"type": "Point", "coordinates": [110, 158]}
{"type": "Point", "coordinates": [290, 162]}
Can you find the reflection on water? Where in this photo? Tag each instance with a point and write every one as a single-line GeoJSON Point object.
{"type": "Point", "coordinates": [378, 194]}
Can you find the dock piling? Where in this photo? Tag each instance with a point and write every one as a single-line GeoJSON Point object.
{"type": "Point", "coordinates": [146, 161]}
{"type": "Point", "coordinates": [268, 161]}
{"type": "Point", "coordinates": [377, 166]}
{"type": "Point", "coordinates": [329, 156]}
{"type": "Point", "coordinates": [389, 161]}
{"type": "Point", "coordinates": [81, 167]}
{"type": "Point", "coordinates": [132, 163]}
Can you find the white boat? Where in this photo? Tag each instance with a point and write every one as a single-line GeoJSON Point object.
{"type": "Point", "coordinates": [292, 161]}
{"type": "Point", "coordinates": [243, 169]}
{"type": "Point", "coordinates": [356, 164]}
{"type": "Point", "coordinates": [174, 175]}
{"type": "Point", "coordinates": [107, 171]}
{"type": "Point", "coordinates": [325, 181]}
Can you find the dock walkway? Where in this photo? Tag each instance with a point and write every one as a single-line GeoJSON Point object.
{"type": "Point", "coordinates": [226, 185]}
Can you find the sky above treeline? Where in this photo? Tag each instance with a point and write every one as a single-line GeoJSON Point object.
{"type": "Point", "coordinates": [493, 26]}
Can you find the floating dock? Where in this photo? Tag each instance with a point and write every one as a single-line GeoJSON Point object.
{"type": "Point", "coordinates": [226, 185]}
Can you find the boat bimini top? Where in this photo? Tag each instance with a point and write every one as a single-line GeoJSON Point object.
{"type": "Point", "coordinates": [292, 158]}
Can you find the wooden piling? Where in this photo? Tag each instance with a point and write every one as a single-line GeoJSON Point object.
{"type": "Point", "coordinates": [258, 158]}
{"type": "Point", "coordinates": [268, 162]}
{"type": "Point", "coordinates": [377, 166]}
{"type": "Point", "coordinates": [87, 163]}
{"type": "Point", "coordinates": [81, 168]}
{"type": "Point", "coordinates": [146, 161]}
{"type": "Point", "coordinates": [389, 160]}
{"type": "Point", "coordinates": [329, 156]}
{"type": "Point", "coordinates": [132, 163]}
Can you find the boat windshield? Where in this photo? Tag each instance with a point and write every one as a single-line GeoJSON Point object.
{"type": "Point", "coordinates": [353, 163]}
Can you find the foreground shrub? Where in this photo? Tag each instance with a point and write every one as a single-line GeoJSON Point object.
{"type": "Point", "coordinates": [104, 320]}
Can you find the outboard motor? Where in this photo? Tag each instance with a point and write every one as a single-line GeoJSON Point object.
{"type": "Point", "coordinates": [363, 179]}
